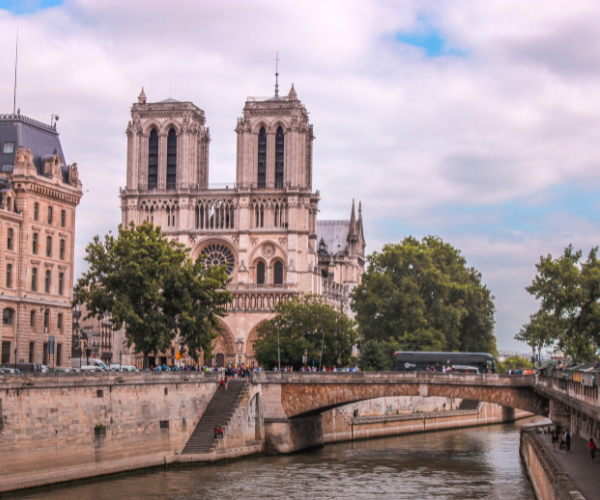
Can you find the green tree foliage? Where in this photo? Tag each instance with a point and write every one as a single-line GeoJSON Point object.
{"type": "Point", "coordinates": [514, 363]}
{"type": "Point", "coordinates": [302, 325]}
{"type": "Point", "coordinates": [151, 285]}
{"type": "Point", "coordinates": [422, 296]}
{"type": "Point", "coordinates": [569, 314]}
{"type": "Point", "coordinates": [372, 357]}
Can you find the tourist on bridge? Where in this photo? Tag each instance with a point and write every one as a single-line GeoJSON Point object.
{"type": "Point", "coordinates": [555, 440]}
{"type": "Point", "coordinates": [592, 447]}
{"type": "Point", "coordinates": [568, 441]}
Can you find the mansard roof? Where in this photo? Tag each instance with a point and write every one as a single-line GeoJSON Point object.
{"type": "Point", "coordinates": [334, 234]}
{"type": "Point", "coordinates": [40, 137]}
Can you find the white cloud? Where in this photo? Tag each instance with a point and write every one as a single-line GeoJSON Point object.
{"type": "Point", "coordinates": [436, 145]}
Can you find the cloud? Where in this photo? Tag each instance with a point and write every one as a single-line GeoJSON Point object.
{"type": "Point", "coordinates": [496, 150]}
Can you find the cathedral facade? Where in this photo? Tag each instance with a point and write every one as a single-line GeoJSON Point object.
{"type": "Point", "coordinates": [264, 227]}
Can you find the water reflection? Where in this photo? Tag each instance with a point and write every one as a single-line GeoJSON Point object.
{"type": "Point", "coordinates": [478, 463]}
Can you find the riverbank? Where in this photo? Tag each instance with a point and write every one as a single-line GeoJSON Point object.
{"type": "Point", "coordinates": [556, 475]}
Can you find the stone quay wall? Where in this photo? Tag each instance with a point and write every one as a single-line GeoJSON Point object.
{"type": "Point", "coordinates": [71, 426]}
{"type": "Point", "coordinates": [548, 482]}
{"type": "Point", "coordinates": [406, 415]}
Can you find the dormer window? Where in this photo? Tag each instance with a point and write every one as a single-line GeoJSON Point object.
{"type": "Point", "coordinates": [9, 148]}
{"type": "Point", "coordinates": [7, 168]}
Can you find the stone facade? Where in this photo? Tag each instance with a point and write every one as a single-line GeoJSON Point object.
{"type": "Point", "coordinates": [39, 195]}
{"type": "Point", "coordinates": [263, 227]}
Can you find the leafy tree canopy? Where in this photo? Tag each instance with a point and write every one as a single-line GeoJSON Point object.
{"type": "Point", "coordinates": [569, 314]}
{"type": "Point", "coordinates": [514, 363]}
{"type": "Point", "coordinates": [306, 323]}
{"type": "Point", "coordinates": [421, 296]}
{"type": "Point", "coordinates": [151, 285]}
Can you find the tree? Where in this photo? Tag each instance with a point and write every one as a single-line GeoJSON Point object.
{"type": "Point", "coordinates": [569, 314]}
{"type": "Point", "coordinates": [150, 285]}
{"type": "Point", "coordinates": [514, 363]}
{"type": "Point", "coordinates": [422, 295]}
{"type": "Point", "coordinates": [372, 357]}
{"type": "Point", "coordinates": [305, 323]}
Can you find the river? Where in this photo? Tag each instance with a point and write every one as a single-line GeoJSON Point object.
{"type": "Point", "coordinates": [462, 464]}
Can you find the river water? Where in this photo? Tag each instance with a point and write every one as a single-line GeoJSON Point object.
{"type": "Point", "coordinates": [462, 464]}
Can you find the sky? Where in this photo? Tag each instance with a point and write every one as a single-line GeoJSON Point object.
{"type": "Point", "coordinates": [477, 122]}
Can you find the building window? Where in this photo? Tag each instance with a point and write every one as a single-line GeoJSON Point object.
{"type": "Point", "coordinates": [63, 218]}
{"type": "Point", "coordinates": [47, 281]}
{"type": "Point", "coordinates": [279, 158]}
{"type": "Point", "coordinates": [9, 239]}
{"type": "Point", "coordinates": [278, 272]}
{"type": "Point", "coordinates": [34, 280]}
{"type": "Point", "coordinates": [49, 246]}
{"type": "Point", "coordinates": [35, 243]}
{"type": "Point", "coordinates": [49, 215]}
{"type": "Point", "coordinates": [7, 167]}
{"type": "Point", "coordinates": [36, 211]}
{"type": "Point", "coordinates": [171, 159]}
{"type": "Point", "coordinates": [61, 279]}
{"type": "Point", "coordinates": [260, 273]}
{"type": "Point", "coordinates": [5, 352]}
{"type": "Point", "coordinates": [46, 320]}
{"type": "Point", "coordinates": [262, 158]}
{"type": "Point", "coordinates": [9, 276]}
{"type": "Point", "coordinates": [153, 160]}
{"type": "Point", "coordinates": [62, 249]}
{"type": "Point", "coordinates": [32, 319]}
{"type": "Point", "coordinates": [59, 323]}
{"type": "Point", "coordinates": [7, 317]}
{"type": "Point", "coordinates": [9, 147]}
{"type": "Point", "coordinates": [45, 354]}
{"type": "Point", "coordinates": [31, 351]}
{"type": "Point", "coordinates": [58, 355]}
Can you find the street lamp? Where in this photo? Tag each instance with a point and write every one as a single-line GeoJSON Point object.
{"type": "Point", "coordinates": [278, 352]}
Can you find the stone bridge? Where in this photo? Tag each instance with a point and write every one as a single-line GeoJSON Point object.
{"type": "Point", "coordinates": [292, 403]}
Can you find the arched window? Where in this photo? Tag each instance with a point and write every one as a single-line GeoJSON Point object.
{"type": "Point", "coordinates": [9, 239]}
{"type": "Point", "coordinates": [32, 319]}
{"type": "Point", "coordinates": [260, 273]}
{"type": "Point", "coordinates": [172, 159]}
{"type": "Point", "coordinates": [36, 211]}
{"type": "Point", "coordinates": [62, 249]}
{"type": "Point", "coordinates": [49, 215]}
{"type": "Point", "coordinates": [63, 218]}
{"type": "Point", "coordinates": [49, 246]}
{"type": "Point", "coordinates": [262, 158]}
{"type": "Point", "coordinates": [7, 316]}
{"type": "Point", "coordinates": [48, 281]}
{"type": "Point", "coordinates": [279, 158]}
{"type": "Point", "coordinates": [278, 273]}
{"type": "Point", "coordinates": [35, 243]}
{"type": "Point", "coordinates": [34, 279]}
{"type": "Point", "coordinates": [153, 160]}
{"type": "Point", "coordinates": [9, 276]}
{"type": "Point", "coordinates": [61, 279]}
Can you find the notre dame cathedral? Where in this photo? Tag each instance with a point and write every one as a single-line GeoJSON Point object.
{"type": "Point", "coordinates": [264, 227]}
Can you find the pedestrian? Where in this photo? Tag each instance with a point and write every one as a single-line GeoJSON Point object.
{"type": "Point", "coordinates": [568, 441]}
{"type": "Point", "coordinates": [592, 447]}
{"type": "Point", "coordinates": [222, 384]}
{"type": "Point", "coordinates": [221, 433]}
{"type": "Point", "coordinates": [226, 380]}
{"type": "Point", "coordinates": [554, 440]}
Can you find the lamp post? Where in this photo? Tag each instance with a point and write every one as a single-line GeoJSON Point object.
{"type": "Point", "coordinates": [278, 352]}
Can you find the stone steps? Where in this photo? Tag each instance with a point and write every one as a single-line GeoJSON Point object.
{"type": "Point", "coordinates": [218, 412]}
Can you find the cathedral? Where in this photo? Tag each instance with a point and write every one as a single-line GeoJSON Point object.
{"type": "Point", "coordinates": [264, 227]}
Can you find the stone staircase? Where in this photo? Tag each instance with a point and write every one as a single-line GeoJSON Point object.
{"type": "Point", "coordinates": [218, 412]}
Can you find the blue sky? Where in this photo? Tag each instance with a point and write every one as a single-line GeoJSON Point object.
{"type": "Point", "coordinates": [474, 121]}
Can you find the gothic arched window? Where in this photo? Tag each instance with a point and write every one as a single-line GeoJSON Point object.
{"type": "Point", "coordinates": [278, 273]}
{"type": "Point", "coordinates": [153, 160]}
{"type": "Point", "coordinates": [172, 159]}
{"type": "Point", "coordinates": [279, 158]}
{"type": "Point", "coordinates": [260, 273]}
{"type": "Point", "coordinates": [262, 158]}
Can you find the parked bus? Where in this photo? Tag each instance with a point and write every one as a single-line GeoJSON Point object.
{"type": "Point", "coordinates": [460, 362]}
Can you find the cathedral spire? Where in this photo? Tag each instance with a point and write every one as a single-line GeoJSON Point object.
{"type": "Point", "coordinates": [352, 230]}
{"type": "Point", "coordinates": [142, 97]}
{"type": "Point", "coordinates": [277, 74]}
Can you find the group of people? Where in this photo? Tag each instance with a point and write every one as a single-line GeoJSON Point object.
{"type": "Point", "coordinates": [314, 369]}
{"type": "Point", "coordinates": [561, 442]}
{"type": "Point", "coordinates": [519, 371]}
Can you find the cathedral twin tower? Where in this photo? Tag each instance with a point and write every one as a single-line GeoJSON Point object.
{"type": "Point", "coordinates": [264, 228]}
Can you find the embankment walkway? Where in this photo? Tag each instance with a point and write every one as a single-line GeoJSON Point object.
{"type": "Point", "coordinates": [584, 474]}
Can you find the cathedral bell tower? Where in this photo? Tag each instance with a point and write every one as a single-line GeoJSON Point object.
{"type": "Point", "coordinates": [274, 143]}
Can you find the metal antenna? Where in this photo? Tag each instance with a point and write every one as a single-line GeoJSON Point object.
{"type": "Point", "coordinates": [16, 60]}
{"type": "Point", "coordinates": [277, 74]}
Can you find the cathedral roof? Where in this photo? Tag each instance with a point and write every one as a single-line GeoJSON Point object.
{"type": "Point", "coordinates": [20, 130]}
{"type": "Point", "coordinates": [169, 99]}
{"type": "Point", "coordinates": [334, 234]}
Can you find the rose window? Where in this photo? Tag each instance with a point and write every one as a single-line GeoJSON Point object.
{"type": "Point", "coordinates": [219, 255]}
